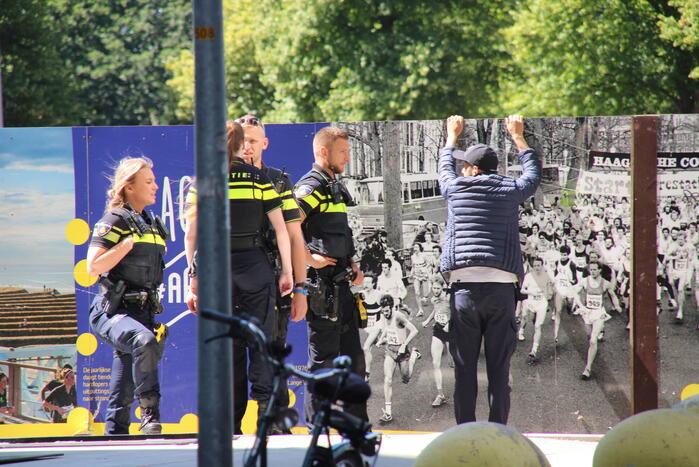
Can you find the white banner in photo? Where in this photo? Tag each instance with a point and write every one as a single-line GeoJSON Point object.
{"type": "Point", "coordinates": [614, 184]}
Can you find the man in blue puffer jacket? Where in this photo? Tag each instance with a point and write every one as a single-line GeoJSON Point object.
{"type": "Point", "coordinates": [482, 262]}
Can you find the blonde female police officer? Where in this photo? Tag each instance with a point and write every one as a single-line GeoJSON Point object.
{"type": "Point", "coordinates": [126, 251]}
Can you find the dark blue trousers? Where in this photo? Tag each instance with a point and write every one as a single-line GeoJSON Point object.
{"type": "Point", "coordinates": [330, 339]}
{"type": "Point", "coordinates": [135, 364]}
{"type": "Point", "coordinates": [482, 311]}
{"type": "Point", "coordinates": [253, 294]}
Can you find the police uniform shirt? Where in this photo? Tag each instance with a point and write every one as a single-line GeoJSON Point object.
{"type": "Point", "coordinates": [326, 227]}
{"type": "Point", "coordinates": [112, 229]}
{"type": "Point", "coordinates": [251, 196]}
{"type": "Point", "coordinates": [290, 208]}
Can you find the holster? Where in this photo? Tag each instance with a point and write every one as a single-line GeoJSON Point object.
{"type": "Point", "coordinates": [283, 314]}
{"type": "Point", "coordinates": [154, 301]}
{"type": "Point", "coordinates": [321, 298]}
{"type": "Point", "coordinates": [113, 295]}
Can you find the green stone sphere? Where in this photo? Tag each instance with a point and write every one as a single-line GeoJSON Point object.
{"type": "Point", "coordinates": [690, 403]}
{"type": "Point", "coordinates": [656, 438]}
{"type": "Point", "coordinates": [481, 444]}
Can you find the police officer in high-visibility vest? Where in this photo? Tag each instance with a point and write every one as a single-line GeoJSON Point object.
{"type": "Point", "coordinates": [251, 199]}
{"type": "Point", "coordinates": [126, 251]}
{"type": "Point", "coordinates": [293, 306]}
{"type": "Point", "coordinates": [332, 316]}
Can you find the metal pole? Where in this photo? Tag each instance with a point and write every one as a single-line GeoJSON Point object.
{"type": "Point", "coordinates": [215, 357]}
{"type": "Point", "coordinates": [644, 319]}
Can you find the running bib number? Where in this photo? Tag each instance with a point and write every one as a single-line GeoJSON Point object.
{"type": "Point", "coordinates": [441, 318]}
{"type": "Point", "coordinates": [538, 297]}
{"type": "Point", "coordinates": [593, 301]}
{"type": "Point", "coordinates": [392, 338]}
{"type": "Point", "coordinates": [681, 264]}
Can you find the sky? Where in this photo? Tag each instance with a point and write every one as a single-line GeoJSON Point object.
{"type": "Point", "coordinates": [36, 202]}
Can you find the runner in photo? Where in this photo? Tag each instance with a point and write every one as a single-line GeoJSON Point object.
{"type": "Point", "coordinates": [421, 269]}
{"type": "Point", "coordinates": [590, 306]}
{"type": "Point", "coordinates": [396, 333]}
{"type": "Point", "coordinates": [441, 314]}
{"type": "Point", "coordinates": [565, 278]}
{"type": "Point", "coordinates": [539, 290]}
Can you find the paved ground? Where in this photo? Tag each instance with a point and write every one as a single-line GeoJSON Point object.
{"type": "Point", "coordinates": [398, 450]}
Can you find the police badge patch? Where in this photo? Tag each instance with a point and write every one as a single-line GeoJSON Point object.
{"type": "Point", "coordinates": [303, 191]}
{"type": "Point", "coordinates": [102, 229]}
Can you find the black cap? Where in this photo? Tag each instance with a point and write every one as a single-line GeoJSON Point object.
{"type": "Point", "coordinates": [479, 155]}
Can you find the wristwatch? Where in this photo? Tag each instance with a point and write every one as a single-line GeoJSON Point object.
{"type": "Point", "coordinates": [302, 285]}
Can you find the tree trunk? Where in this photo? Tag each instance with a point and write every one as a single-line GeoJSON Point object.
{"type": "Point", "coordinates": [392, 187]}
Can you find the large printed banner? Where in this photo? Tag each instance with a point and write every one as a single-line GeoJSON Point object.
{"type": "Point", "coordinates": [619, 184]}
{"type": "Point", "coordinates": [87, 158]}
{"type": "Point", "coordinates": [172, 150]}
{"type": "Point", "coordinates": [53, 184]}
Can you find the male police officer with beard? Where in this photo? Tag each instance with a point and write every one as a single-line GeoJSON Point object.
{"type": "Point", "coordinates": [332, 314]}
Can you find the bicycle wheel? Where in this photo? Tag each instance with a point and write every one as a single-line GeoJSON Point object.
{"type": "Point", "coordinates": [348, 458]}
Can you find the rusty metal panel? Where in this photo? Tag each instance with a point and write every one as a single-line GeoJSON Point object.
{"type": "Point", "coordinates": [644, 319]}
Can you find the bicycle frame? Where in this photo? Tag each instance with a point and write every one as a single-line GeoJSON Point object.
{"type": "Point", "coordinates": [322, 420]}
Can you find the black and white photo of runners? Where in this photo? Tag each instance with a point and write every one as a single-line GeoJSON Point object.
{"type": "Point", "coordinates": [570, 371]}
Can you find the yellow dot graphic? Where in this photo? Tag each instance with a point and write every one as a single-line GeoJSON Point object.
{"type": "Point", "coordinates": [249, 422]}
{"type": "Point", "coordinates": [80, 420]}
{"type": "Point", "coordinates": [189, 423]}
{"type": "Point", "coordinates": [689, 391]}
{"type": "Point", "coordinates": [77, 231]}
{"type": "Point", "coordinates": [81, 276]}
{"type": "Point", "coordinates": [292, 398]}
{"type": "Point", "coordinates": [86, 344]}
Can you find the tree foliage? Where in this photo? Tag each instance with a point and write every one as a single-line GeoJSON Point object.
{"type": "Point", "coordinates": [36, 89]}
{"type": "Point", "coordinates": [116, 52]}
{"type": "Point", "coordinates": [74, 62]}
{"type": "Point", "coordinates": [683, 29]}
{"type": "Point", "coordinates": [244, 91]}
{"type": "Point", "coordinates": [366, 59]}
{"type": "Point", "coordinates": [575, 57]}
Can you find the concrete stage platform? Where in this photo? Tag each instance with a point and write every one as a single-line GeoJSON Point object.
{"type": "Point", "coordinates": [397, 450]}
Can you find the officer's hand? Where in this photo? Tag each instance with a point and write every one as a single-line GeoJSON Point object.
{"type": "Point", "coordinates": [358, 275]}
{"type": "Point", "coordinates": [318, 261]}
{"type": "Point", "coordinates": [191, 301]}
{"type": "Point", "coordinates": [299, 307]}
{"type": "Point", "coordinates": [286, 283]}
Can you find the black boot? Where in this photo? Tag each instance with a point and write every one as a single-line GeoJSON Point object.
{"type": "Point", "coordinates": [274, 428]}
{"type": "Point", "coordinates": [150, 413]}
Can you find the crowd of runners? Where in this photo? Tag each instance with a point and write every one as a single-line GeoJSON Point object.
{"type": "Point", "coordinates": [577, 262]}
